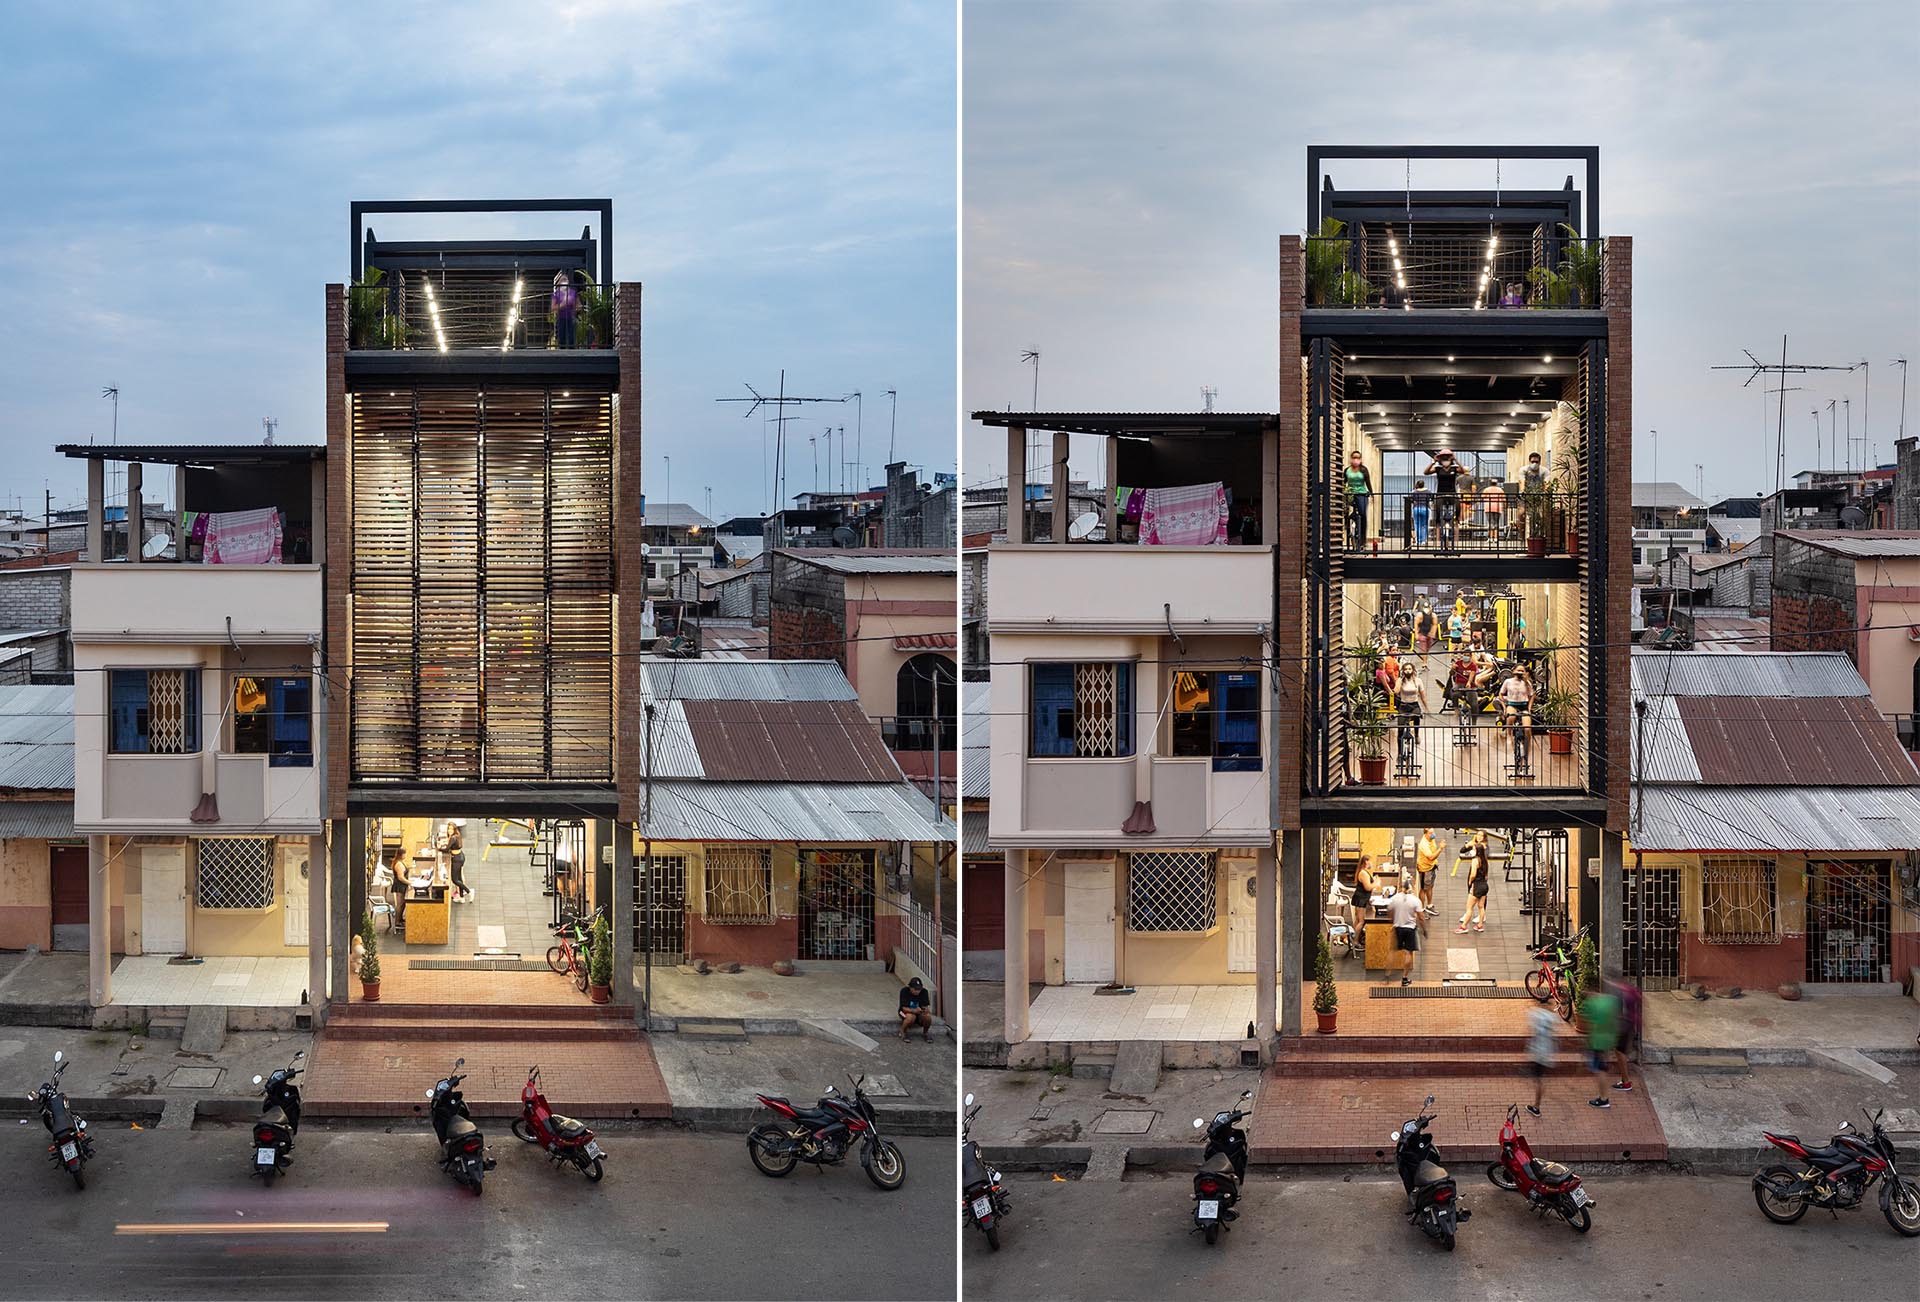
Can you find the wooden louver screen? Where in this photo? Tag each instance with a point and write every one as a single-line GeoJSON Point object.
{"type": "Point", "coordinates": [482, 585]}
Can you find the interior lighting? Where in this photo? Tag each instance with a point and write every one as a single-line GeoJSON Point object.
{"type": "Point", "coordinates": [1401, 281]}
{"type": "Point", "coordinates": [1547, 358]}
{"type": "Point", "coordinates": [1449, 356]}
{"type": "Point", "coordinates": [1396, 263]}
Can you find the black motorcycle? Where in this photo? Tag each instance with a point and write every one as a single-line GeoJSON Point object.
{"type": "Point", "coordinates": [1223, 1167]}
{"type": "Point", "coordinates": [279, 1121]}
{"type": "Point", "coordinates": [824, 1134]}
{"type": "Point", "coordinates": [463, 1149]}
{"type": "Point", "coordinates": [1433, 1204]}
{"type": "Point", "coordinates": [72, 1146]}
{"type": "Point", "coordinates": [983, 1199]}
{"type": "Point", "coordinates": [1837, 1177]}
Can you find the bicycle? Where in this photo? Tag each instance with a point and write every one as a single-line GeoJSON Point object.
{"type": "Point", "coordinates": [569, 957]}
{"type": "Point", "coordinates": [1551, 982]}
{"type": "Point", "coordinates": [1520, 724]}
{"type": "Point", "coordinates": [1407, 745]}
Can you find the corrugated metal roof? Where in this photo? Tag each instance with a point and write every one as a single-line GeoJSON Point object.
{"type": "Point", "coordinates": [805, 812]}
{"type": "Point", "coordinates": [36, 820]}
{"type": "Point", "coordinates": [674, 754]}
{"type": "Point", "coordinates": [1664, 495]}
{"type": "Point", "coordinates": [1668, 751]}
{"type": "Point", "coordinates": [788, 741]}
{"type": "Point", "coordinates": [976, 728]}
{"type": "Point", "coordinates": [744, 680]}
{"type": "Point", "coordinates": [36, 737]}
{"type": "Point", "coordinates": [973, 832]}
{"type": "Point", "coordinates": [1862, 544]}
{"type": "Point", "coordinates": [1762, 673]}
{"type": "Point", "coordinates": [878, 562]}
{"type": "Point", "coordinates": [1776, 741]}
{"type": "Point", "coordinates": [1771, 819]}
{"type": "Point", "coordinates": [674, 515]}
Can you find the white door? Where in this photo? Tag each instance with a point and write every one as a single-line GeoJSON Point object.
{"type": "Point", "coordinates": [294, 894]}
{"type": "Point", "coordinates": [1241, 932]}
{"type": "Point", "coordinates": [1089, 923]}
{"type": "Point", "coordinates": [163, 899]}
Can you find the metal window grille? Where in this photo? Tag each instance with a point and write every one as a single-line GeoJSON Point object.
{"type": "Point", "coordinates": [1171, 890]}
{"type": "Point", "coordinates": [235, 872]}
{"type": "Point", "coordinates": [168, 712]}
{"type": "Point", "coordinates": [1652, 942]}
{"type": "Point", "coordinates": [669, 907]}
{"type": "Point", "coordinates": [836, 904]}
{"type": "Point", "coordinates": [1849, 933]}
{"type": "Point", "coordinates": [739, 884]}
{"type": "Point", "coordinates": [1096, 710]}
{"type": "Point", "coordinates": [1738, 905]}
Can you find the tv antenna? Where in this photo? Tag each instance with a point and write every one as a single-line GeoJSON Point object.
{"type": "Point", "coordinates": [1755, 368]}
{"type": "Point", "coordinates": [893, 418]}
{"type": "Point", "coordinates": [1901, 362]}
{"type": "Point", "coordinates": [780, 401]}
{"type": "Point", "coordinates": [1207, 394]}
{"type": "Point", "coordinates": [113, 391]}
{"type": "Point", "coordinates": [270, 423]}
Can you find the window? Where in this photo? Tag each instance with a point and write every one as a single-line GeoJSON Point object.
{"type": "Point", "coordinates": [925, 687]}
{"type": "Point", "coordinates": [153, 711]}
{"type": "Point", "coordinates": [236, 872]}
{"type": "Point", "coordinates": [739, 885]}
{"type": "Point", "coordinates": [1636, 556]}
{"type": "Point", "coordinates": [1737, 902]}
{"type": "Point", "coordinates": [1170, 891]}
{"type": "Point", "coordinates": [1217, 715]}
{"type": "Point", "coordinates": [274, 717]}
{"type": "Point", "coordinates": [1082, 710]}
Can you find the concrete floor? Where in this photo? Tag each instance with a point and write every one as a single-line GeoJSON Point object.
{"type": "Point", "coordinates": [152, 980]}
{"type": "Point", "coordinates": [1763, 1020]}
{"type": "Point", "coordinates": [507, 912]}
{"type": "Point", "coordinates": [815, 990]}
{"type": "Point", "coordinates": [1149, 1013]}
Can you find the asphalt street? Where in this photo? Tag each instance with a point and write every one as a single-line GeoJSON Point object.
{"type": "Point", "coordinates": [174, 1214]}
{"type": "Point", "coordinates": [1324, 1237]}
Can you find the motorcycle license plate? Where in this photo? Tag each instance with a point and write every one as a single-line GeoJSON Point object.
{"type": "Point", "coordinates": [594, 1149]}
{"type": "Point", "coordinates": [1209, 1209]}
{"type": "Point", "coordinates": [69, 1151]}
{"type": "Point", "coordinates": [982, 1208]}
{"type": "Point", "coordinates": [264, 1157]}
{"type": "Point", "coordinates": [1580, 1198]}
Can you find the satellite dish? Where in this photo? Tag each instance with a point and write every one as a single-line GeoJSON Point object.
{"type": "Point", "coordinates": [1852, 517]}
{"type": "Point", "coordinates": [843, 537]}
{"type": "Point", "coordinates": [156, 546]}
{"type": "Point", "coordinates": [1083, 525]}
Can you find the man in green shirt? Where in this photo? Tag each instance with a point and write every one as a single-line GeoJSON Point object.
{"type": "Point", "coordinates": [1601, 1013]}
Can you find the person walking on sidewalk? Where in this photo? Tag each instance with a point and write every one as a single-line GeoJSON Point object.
{"type": "Point", "coordinates": [1600, 1013]}
{"type": "Point", "coordinates": [1405, 912]}
{"type": "Point", "coordinates": [1540, 1028]}
{"type": "Point", "coordinates": [1630, 1013]}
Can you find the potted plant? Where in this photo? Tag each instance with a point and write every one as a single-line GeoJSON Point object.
{"type": "Point", "coordinates": [1326, 995]}
{"type": "Point", "coordinates": [1327, 263]}
{"type": "Point", "coordinates": [1369, 732]}
{"type": "Point", "coordinates": [596, 315]}
{"type": "Point", "coordinates": [366, 310]}
{"type": "Point", "coordinates": [600, 962]}
{"type": "Point", "coordinates": [1537, 503]}
{"type": "Point", "coordinates": [1569, 465]}
{"type": "Point", "coordinates": [1576, 281]}
{"type": "Point", "coordinates": [369, 961]}
{"type": "Point", "coordinates": [1554, 711]}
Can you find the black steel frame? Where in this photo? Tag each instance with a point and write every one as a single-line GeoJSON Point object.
{"type": "Point", "coordinates": [360, 208]}
{"type": "Point", "coordinates": [1319, 185]}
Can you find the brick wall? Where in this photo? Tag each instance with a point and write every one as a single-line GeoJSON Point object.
{"type": "Point", "coordinates": [1906, 484]}
{"type": "Point", "coordinates": [1290, 603]}
{"type": "Point", "coordinates": [1813, 600]}
{"type": "Point", "coordinates": [36, 598]}
{"type": "Point", "coordinates": [337, 647]}
{"type": "Point", "coordinates": [1612, 629]}
{"type": "Point", "coordinates": [629, 557]}
{"type": "Point", "coordinates": [809, 613]}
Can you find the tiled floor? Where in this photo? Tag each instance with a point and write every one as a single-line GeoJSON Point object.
{"type": "Point", "coordinates": [1149, 1013]}
{"type": "Point", "coordinates": [507, 912]}
{"type": "Point", "coordinates": [1439, 1018]}
{"type": "Point", "coordinates": [400, 984]}
{"type": "Point", "coordinates": [151, 980]}
{"type": "Point", "coordinates": [598, 1080]}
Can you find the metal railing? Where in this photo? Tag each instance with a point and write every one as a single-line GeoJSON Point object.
{"type": "Point", "coordinates": [494, 311]}
{"type": "Point", "coordinates": [1473, 520]}
{"type": "Point", "coordinates": [1370, 269]}
{"type": "Point", "coordinates": [918, 733]}
{"type": "Point", "coordinates": [1462, 751]}
{"type": "Point", "coordinates": [1907, 728]}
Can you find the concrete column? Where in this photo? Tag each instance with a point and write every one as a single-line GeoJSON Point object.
{"type": "Point", "coordinates": [136, 510]}
{"type": "Point", "coordinates": [1292, 845]}
{"type": "Point", "coordinates": [1062, 498]}
{"type": "Point", "coordinates": [340, 904]}
{"type": "Point", "coordinates": [1016, 483]}
{"type": "Point", "coordinates": [1265, 943]}
{"type": "Point", "coordinates": [603, 868]}
{"type": "Point", "coordinates": [96, 511]}
{"type": "Point", "coordinates": [99, 912]}
{"type": "Point", "coordinates": [180, 505]}
{"type": "Point", "coordinates": [1015, 976]}
{"type": "Point", "coordinates": [1608, 934]}
{"type": "Point", "coordinates": [317, 928]}
{"type": "Point", "coordinates": [621, 914]}
{"type": "Point", "coordinates": [1113, 480]}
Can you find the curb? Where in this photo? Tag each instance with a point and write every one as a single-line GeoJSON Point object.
{"type": "Point", "coordinates": [134, 1107]}
{"type": "Point", "coordinates": [1661, 1055]}
{"type": "Point", "coordinates": [739, 1119]}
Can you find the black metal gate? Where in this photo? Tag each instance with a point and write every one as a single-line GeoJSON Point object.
{"type": "Point", "coordinates": [836, 904]}
{"type": "Point", "coordinates": [669, 904]}
{"type": "Point", "coordinates": [1652, 927]}
{"type": "Point", "coordinates": [1849, 938]}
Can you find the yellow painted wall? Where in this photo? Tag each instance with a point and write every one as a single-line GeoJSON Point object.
{"type": "Point", "coordinates": [243, 933]}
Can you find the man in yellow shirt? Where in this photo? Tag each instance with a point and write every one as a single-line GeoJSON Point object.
{"type": "Point", "coordinates": [1426, 858]}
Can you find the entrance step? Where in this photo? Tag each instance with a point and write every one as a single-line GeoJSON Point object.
{"type": "Point", "coordinates": [1712, 1062]}
{"type": "Point", "coordinates": [582, 1011]}
{"type": "Point", "coordinates": [1384, 1056]}
{"type": "Point", "coordinates": [1136, 1067]}
{"type": "Point", "coordinates": [205, 1030]}
{"type": "Point", "coordinates": [710, 1028]}
{"type": "Point", "coordinates": [457, 1028]}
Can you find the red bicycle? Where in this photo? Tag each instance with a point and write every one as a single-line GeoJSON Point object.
{"type": "Point", "coordinates": [1552, 982]}
{"type": "Point", "coordinates": [569, 957]}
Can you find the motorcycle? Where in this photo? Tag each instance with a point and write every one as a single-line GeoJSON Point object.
{"type": "Point", "coordinates": [1432, 1201]}
{"type": "Point", "coordinates": [1216, 1185]}
{"type": "Point", "coordinates": [279, 1121]}
{"type": "Point", "coordinates": [72, 1146]}
{"type": "Point", "coordinates": [563, 1138]}
{"type": "Point", "coordinates": [822, 1135]}
{"type": "Point", "coordinates": [983, 1199]}
{"type": "Point", "coordinates": [1547, 1186]}
{"type": "Point", "coordinates": [463, 1149]}
{"type": "Point", "coordinates": [1838, 1176]}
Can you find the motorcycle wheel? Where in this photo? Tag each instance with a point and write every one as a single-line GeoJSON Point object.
{"type": "Point", "coordinates": [592, 1170]}
{"type": "Point", "coordinates": [522, 1131]}
{"type": "Point", "coordinates": [1502, 1178]}
{"type": "Point", "coordinates": [1446, 1241]}
{"type": "Point", "coordinates": [266, 1177]}
{"type": "Point", "coordinates": [1212, 1233]}
{"type": "Point", "coordinates": [1581, 1220]}
{"type": "Point", "coordinates": [759, 1140]}
{"type": "Point", "coordinates": [80, 1180]}
{"type": "Point", "coordinates": [556, 960]}
{"type": "Point", "coordinates": [886, 1167]}
{"type": "Point", "coordinates": [1770, 1193]}
{"type": "Point", "coordinates": [1537, 985]}
{"type": "Point", "coordinates": [477, 1185]}
{"type": "Point", "coordinates": [1901, 1203]}
{"type": "Point", "coordinates": [993, 1238]}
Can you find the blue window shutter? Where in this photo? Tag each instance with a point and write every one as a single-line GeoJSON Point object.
{"type": "Point", "coordinates": [127, 710]}
{"type": "Point", "coordinates": [1052, 722]}
{"type": "Point", "coordinates": [1123, 704]}
{"type": "Point", "coordinates": [1237, 723]}
{"type": "Point", "coordinates": [193, 710]}
{"type": "Point", "coordinates": [290, 702]}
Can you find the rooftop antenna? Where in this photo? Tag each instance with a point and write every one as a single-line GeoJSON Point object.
{"type": "Point", "coordinates": [1866, 415]}
{"type": "Point", "coordinates": [1207, 394]}
{"type": "Point", "coordinates": [858, 415]}
{"type": "Point", "coordinates": [1833, 419]}
{"type": "Point", "coordinates": [892, 418]}
{"type": "Point", "coordinates": [813, 444]}
{"type": "Point", "coordinates": [1901, 362]}
{"type": "Point", "coordinates": [113, 391]}
{"type": "Point", "coordinates": [1755, 367]}
{"type": "Point", "coordinates": [780, 401]}
{"type": "Point", "coordinates": [270, 423]}
{"type": "Point", "coordinates": [1026, 451]}
{"type": "Point", "coordinates": [1846, 405]}
{"type": "Point", "coordinates": [1816, 438]}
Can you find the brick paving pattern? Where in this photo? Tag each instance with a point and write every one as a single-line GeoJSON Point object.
{"type": "Point", "coordinates": [400, 984]}
{"type": "Point", "coordinates": [603, 1080]}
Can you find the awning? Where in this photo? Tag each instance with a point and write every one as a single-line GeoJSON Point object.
{"type": "Point", "coordinates": [818, 812]}
{"type": "Point", "coordinates": [926, 642]}
{"type": "Point", "coordinates": [1685, 819]}
{"type": "Point", "coordinates": [36, 820]}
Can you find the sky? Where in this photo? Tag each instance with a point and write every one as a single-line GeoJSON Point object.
{"type": "Point", "coordinates": [174, 183]}
{"type": "Point", "coordinates": [1128, 169]}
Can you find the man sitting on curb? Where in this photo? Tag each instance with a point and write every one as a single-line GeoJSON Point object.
{"type": "Point", "coordinates": [916, 1009]}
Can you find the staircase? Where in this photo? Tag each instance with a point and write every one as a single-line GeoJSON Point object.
{"type": "Point", "coordinates": [463, 1023]}
{"type": "Point", "coordinates": [1373, 1056]}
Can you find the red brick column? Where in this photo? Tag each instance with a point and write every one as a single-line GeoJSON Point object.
{"type": "Point", "coordinates": [1613, 630]}
{"type": "Point", "coordinates": [629, 563]}
{"type": "Point", "coordinates": [337, 647]}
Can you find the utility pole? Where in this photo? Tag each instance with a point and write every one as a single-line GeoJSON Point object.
{"type": "Point", "coordinates": [1901, 362]}
{"type": "Point", "coordinates": [939, 868]}
{"type": "Point", "coordinates": [1639, 821]}
{"type": "Point", "coordinates": [893, 418]}
{"type": "Point", "coordinates": [46, 537]}
{"type": "Point", "coordinates": [646, 923]}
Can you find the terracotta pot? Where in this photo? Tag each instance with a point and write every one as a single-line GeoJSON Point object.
{"type": "Point", "coordinates": [1373, 772]}
{"type": "Point", "coordinates": [1536, 547]}
{"type": "Point", "coordinates": [370, 992]}
{"type": "Point", "coordinates": [1560, 741]}
{"type": "Point", "coordinates": [1573, 541]}
{"type": "Point", "coordinates": [600, 994]}
{"type": "Point", "coordinates": [1327, 1020]}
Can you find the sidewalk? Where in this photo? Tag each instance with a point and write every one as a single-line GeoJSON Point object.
{"type": "Point", "coordinates": [713, 1080]}
{"type": "Point", "coordinates": [1780, 1032]}
{"type": "Point", "coordinates": [116, 1075]}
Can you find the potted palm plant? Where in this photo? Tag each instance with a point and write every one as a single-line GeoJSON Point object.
{"type": "Point", "coordinates": [1576, 281]}
{"type": "Point", "coordinates": [596, 314]}
{"type": "Point", "coordinates": [1553, 713]}
{"type": "Point", "coordinates": [1328, 279]}
{"type": "Point", "coordinates": [1537, 504]}
{"type": "Point", "coordinates": [367, 310]}
{"type": "Point", "coordinates": [600, 962]}
{"type": "Point", "coordinates": [369, 961]}
{"type": "Point", "coordinates": [1326, 995]}
{"type": "Point", "coordinates": [1369, 733]}
{"type": "Point", "coordinates": [1569, 466]}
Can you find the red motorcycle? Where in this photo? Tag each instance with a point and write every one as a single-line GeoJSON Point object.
{"type": "Point", "coordinates": [563, 1138]}
{"type": "Point", "coordinates": [823, 1134]}
{"type": "Point", "coordinates": [1547, 1186]}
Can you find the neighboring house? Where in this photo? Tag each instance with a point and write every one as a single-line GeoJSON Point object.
{"type": "Point", "coordinates": [780, 827]}
{"type": "Point", "coordinates": [1856, 591]}
{"type": "Point", "coordinates": [738, 592]}
{"type": "Point", "coordinates": [916, 515]}
{"type": "Point", "coordinates": [1731, 532]}
{"type": "Point", "coordinates": [36, 606]}
{"type": "Point", "coordinates": [888, 616]}
{"type": "Point", "coordinates": [1906, 484]}
{"type": "Point", "coordinates": [1665, 505]}
{"type": "Point", "coordinates": [976, 659]}
{"type": "Point", "coordinates": [678, 538]}
{"type": "Point", "coordinates": [43, 865]}
{"type": "Point", "coordinates": [1777, 828]}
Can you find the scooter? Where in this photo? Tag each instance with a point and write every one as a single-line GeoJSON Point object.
{"type": "Point", "coordinates": [983, 1199]}
{"type": "Point", "coordinates": [1432, 1201]}
{"type": "Point", "coordinates": [563, 1138]}
{"type": "Point", "coordinates": [463, 1149]}
{"type": "Point", "coordinates": [279, 1121]}
{"type": "Point", "coordinates": [1547, 1186]}
{"type": "Point", "coordinates": [1216, 1185]}
{"type": "Point", "coordinates": [72, 1146]}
